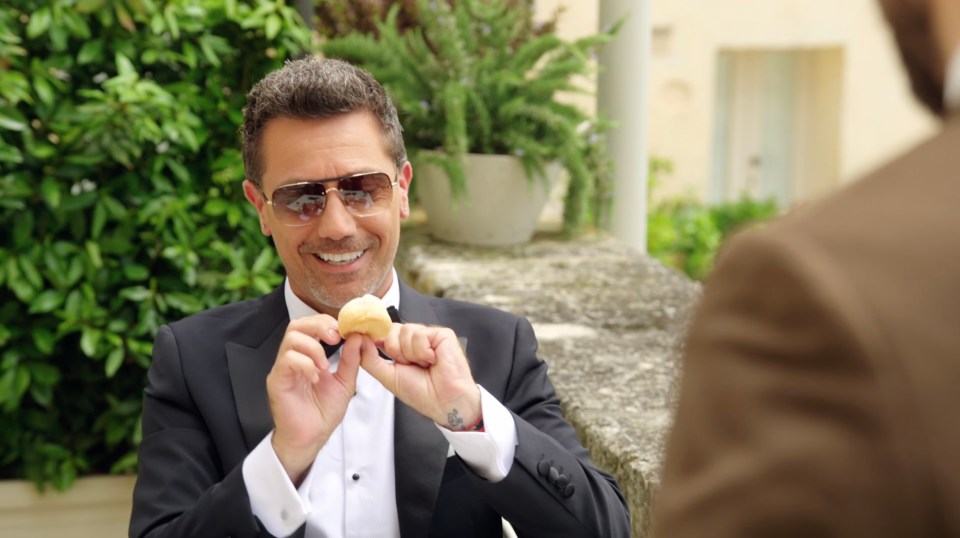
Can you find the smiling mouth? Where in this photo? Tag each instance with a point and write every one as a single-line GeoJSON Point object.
{"type": "Point", "coordinates": [339, 258]}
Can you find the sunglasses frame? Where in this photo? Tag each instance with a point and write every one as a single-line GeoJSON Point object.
{"type": "Point", "coordinates": [393, 183]}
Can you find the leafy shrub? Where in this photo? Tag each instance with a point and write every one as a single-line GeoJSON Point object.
{"type": "Point", "coordinates": [732, 216]}
{"type": "Point", "coordinates": [339, 18]}
{"type": "Point", "coordinates": [685, 233]}
{"type": "Point", "coordinates": [122, 207]}
{"type": "Point", "coordinates": [336, 18]}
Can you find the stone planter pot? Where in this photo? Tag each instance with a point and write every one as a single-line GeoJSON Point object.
{"type": "Point", "coordinates": [95, 507]}
{"type": "Point", "coordinates": [501, 207]}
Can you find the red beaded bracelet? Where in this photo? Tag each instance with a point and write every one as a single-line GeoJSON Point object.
{"type": "Point", "coordinates": [477, 426]}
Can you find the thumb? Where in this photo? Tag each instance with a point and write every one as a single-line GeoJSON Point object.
{"type": "Point", "coordinates": [382, 370]}
{"type": "Point", "coordinates": [350, 362]}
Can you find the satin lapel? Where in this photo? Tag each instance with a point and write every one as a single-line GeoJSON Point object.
{"type": "Point", "coordinates": [420, 450]}
{"type": "Point", "coordinates": [416, 308]}
{"type": "Point", "coordinates": [249, 367]}
{"type": "Point", "coordinates": [420, 454]}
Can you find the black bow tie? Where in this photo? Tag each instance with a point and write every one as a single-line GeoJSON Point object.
{"type": "Point", "coordinates": [330, 349]}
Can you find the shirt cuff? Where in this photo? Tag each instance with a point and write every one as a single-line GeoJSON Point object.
{"type": "Point", "coordinates": [273, 499]}
{"type": "Point", "coordinates": [488, 453]}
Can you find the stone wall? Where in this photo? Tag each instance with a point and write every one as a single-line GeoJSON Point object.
{"type": "Point", "coordinates": [610, 322]}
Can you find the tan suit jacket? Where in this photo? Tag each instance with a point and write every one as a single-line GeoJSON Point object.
{"type": "Point", "coordinates": [820, 394]}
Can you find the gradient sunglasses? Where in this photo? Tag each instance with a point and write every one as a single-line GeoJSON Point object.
{"type": "Point", "coordinates": [300, 204]}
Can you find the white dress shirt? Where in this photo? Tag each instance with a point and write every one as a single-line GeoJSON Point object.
{"type": "Point", "coordinates": [350, 489]}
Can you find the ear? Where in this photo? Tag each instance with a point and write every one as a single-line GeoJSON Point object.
{"type": "Point", "coordinates": [404, 177]}
{"type": "Point", "coordinates": [253, 195]}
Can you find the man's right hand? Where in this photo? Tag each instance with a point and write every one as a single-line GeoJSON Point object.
{"type": "Point", "coordinates": [307, 400]}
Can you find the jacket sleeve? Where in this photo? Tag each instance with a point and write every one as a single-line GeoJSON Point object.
{"type": "Point", "coordinates": [780, 427]}
{"type": "Point", "coordinates": [552, 489]}
{"type": "Point", "coordinates": [181, 489]}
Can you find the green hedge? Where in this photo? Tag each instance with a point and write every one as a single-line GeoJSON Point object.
{"type": "Point", "coordinates": [122, 207]}
{"type": "Point", "coordinates": [685, 233]}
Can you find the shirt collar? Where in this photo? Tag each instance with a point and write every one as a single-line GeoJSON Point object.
{"type": "Point", "coordinates": [297, 309]}
{"type": "Point", "coordinates": [951, 90]}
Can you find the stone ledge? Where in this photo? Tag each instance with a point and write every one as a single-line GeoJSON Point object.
{"type": "Point", "coordinates": [609, 321]}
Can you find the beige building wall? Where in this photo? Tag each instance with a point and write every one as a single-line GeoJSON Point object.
{"type": "Point", "coordinates": [877, 117]}
{"type": "Point", "coordinates": [577, 18]}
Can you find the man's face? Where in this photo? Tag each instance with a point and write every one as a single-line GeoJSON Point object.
{"type": "Point", "coordinates": [913, 28]}
{"type": "Point", "coordinates": [337, 256]}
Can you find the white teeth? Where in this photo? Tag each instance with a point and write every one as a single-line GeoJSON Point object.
{"type": "Point", "coordinates": [345, 257]}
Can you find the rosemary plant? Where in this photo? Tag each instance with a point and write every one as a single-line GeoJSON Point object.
{"type": "Point", "coordinates": [474, 78]}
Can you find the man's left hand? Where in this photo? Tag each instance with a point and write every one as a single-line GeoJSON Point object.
{"type": "Point", "coordinates": [430, 372]}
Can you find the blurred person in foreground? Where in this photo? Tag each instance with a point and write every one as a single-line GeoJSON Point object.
{"type": "Point", "coordinates": [256, 424]}
{"type": "Point", "coordinates": [821, 377]}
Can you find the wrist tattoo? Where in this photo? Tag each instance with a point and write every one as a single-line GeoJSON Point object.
{"type": "Point", "coordinates": [454, 420]}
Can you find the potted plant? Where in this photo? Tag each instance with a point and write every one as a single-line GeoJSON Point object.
{"type": "Point", "coordinates": [473, 84]}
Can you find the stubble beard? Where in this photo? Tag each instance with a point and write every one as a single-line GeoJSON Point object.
{"type": "Point", "coordinates": [330, 291]}
{"type": "Point", "coordinates": [342, 290]}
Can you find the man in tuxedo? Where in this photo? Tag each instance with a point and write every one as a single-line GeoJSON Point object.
{"type": "Point", "coordinates": [821, 373]}
{"type": "Point", "coordinates": [255, 422]}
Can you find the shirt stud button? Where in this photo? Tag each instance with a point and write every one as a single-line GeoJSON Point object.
{"type": "Point", "coordinates": [356, 476]}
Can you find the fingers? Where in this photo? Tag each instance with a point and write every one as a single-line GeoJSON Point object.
{"type": "Point", "coordinates": [301, 343]}
{"type": "Point", "coordinates": [429, 372]}
{"type": "Point", "coordinates": [301, 352]}
{"type": "Point", "coordinates": [381, 370]}
{"type": "Point", "coordinates": [320, 327]}
{"type": "Point", "coordinates": [409, 343]}
{"type": "Point", "coordinates": [300, 356]}
{"type": "Point", "coordinates": [296, 363]}
{"type": "Point", "coordinates": [351, 355]}
{"type": "Point", "coordinates": [303, 336]}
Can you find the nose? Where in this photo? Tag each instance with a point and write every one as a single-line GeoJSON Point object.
{"type": "Point", "coordinates": [335, 221]}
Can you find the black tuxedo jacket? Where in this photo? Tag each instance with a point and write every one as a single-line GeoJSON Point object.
{"type": "Point", "coordinates": [205, 408]}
